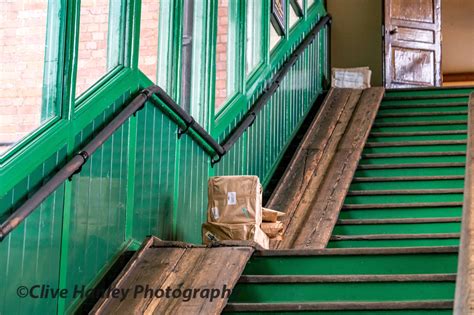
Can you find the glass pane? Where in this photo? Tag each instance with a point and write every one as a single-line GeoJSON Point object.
{"type": "Point", "coordinates": [29, 53]}
{"type": "Point", "coordinates": [148, 59]}
{"type": "Point", "coordinates": [254, 34]}
{"type": "Point", "coordinates": [293, 17]}
{"type": "Point", "coordinates": [274, 37]}
{"type": "Point", "coordinates": [224, 77]}
{"type": "Point", "coordinates": [98, 47]}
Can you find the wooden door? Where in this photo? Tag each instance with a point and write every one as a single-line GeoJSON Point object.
{"type": "Point", "coordinates": [412, 43]}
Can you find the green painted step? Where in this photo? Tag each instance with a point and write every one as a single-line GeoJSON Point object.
{"type": "Point", "coordinates": [371, 261]}
{"type": "Point", "coordinates": [380, 137]}
{"type": "Point", "coordinates": [458, 125]}
{"type": "Point", "coordinates": [414, 159]}
{"type": "Point", "coordinates": [415, 228]}
{"type": "Point", "coordinates": [423, 108]}
{"type": "Point", "coordinates": [408, 184]}
{"type": "Point", "coordinates": [393, 243]}
{"type": "Point", "coordinates": [419, 171]}
{"type": "Point", "coordinates": [391, 213]}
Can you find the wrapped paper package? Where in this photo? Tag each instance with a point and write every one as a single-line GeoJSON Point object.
{"type": "Point", "coordinates": [234, 199]}
{"type": "Point", "coordinates": [216, 232]}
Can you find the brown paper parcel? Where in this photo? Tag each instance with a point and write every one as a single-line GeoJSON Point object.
{"type": "Point", "coordinates": [272, 229]}
{"type": "Point", "coordinates": [234, 199]}
{"type": "Point", "coordinates": [269, 215]}
{"type": "Point", "coordinates": [216, 232]}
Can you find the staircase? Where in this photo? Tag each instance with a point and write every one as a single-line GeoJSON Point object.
{"type": "Point", "coordinates": [394, 247]}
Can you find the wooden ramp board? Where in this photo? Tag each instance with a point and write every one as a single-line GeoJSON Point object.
{"type": "Point", "coordinates": [199, 279]}
{"type": "Point", "coordinates": [314, 186]}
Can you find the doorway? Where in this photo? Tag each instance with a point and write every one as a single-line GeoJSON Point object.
{"type": "Point", "coordinates": [428, 43]}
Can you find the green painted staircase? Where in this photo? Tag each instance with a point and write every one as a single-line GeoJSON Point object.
{"type": "Point", "coordinates": [394, 248]}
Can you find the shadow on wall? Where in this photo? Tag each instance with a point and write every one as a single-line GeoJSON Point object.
{"type": "Point", "coordinates": [356, 35]}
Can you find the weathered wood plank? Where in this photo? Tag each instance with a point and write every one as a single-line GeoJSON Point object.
{"type": "Point", "coordinates": [319, 169]}
{"type": "Point", "coordinates": [312, 151]}
{"type": "Point", "coordinates": [464, 296]}
{"type": "Point", "coordinates": [314, 226]}
{"type": "Point", "coordinates": [180, 267]}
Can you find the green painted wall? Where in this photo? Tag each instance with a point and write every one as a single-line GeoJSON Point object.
{"type": "Point", "coordinates": [143, 180]}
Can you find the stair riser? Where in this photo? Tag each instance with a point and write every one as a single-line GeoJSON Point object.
{"type": "Point", "coordinates": [417, 228]}
{"type": "Point", "coordinates": [446, 117]}
{"type": "Point", "coordinates": [428, 171]}
{"type": "Point", "coordinates": [373, 312]}
{"type": "Point", "coordinates": [440, 212]}
{"type": "Point", "coordinates": [325, 292]}
{"type": "Point", "coordinates": [393, 243]}
{"type": "Point", "coordinates": [434, 184]}
{"type": "Point", "coordinates": [424, 148]}
{"type": "Point", "coordinates": [407, 160]}
{"type": "Point", "coordinates": [446, 127]}
{"type": "Point", "coordinates": [353, 264]}
{"type": "Point", "coordinates": [388, 109]}
{"type": "Point", "coordinates": [397, 138]}
{"type": "Point", "coordinates": [403, 198]}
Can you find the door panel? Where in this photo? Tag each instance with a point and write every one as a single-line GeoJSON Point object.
{"type": "Point", "coordinates": [412, 43]}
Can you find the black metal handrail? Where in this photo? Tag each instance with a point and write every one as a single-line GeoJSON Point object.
{"type": "Point", "coordinates": [74, 166]}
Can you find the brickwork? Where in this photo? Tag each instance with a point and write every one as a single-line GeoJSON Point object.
{"type": "Point", "coordinates": [92, 55]}
{"type": "Point", "coordinates": [149, 38]}
{"type": "Point", "coordinates": [221, 52]}
{"type": "Point", "coordinates": [22, 46]}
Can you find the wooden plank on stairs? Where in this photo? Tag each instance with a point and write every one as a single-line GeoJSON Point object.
{"type": "Point", "coordinates": [311, 156]}
{"type": "Point", "coordinates": [159, 265]}
{"type": "Point", "coordinates": [312, 222]}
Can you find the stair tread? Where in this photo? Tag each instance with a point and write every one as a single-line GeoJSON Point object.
{"type": "Point", "coordinates": [401, 205]}
{"type": "Point", "coordinates": [404, 192]}
{"type": "Point", "coordinates": [439, 277]}
{"type": "Point", "coordinates": [420, 123]}
{"type": "Point", "coordinates": [406, 178]}
{"type": "Point", "coordinates": [409, 165]}
{"type": "Point", "coordinates": [359, 251]}
{"type": "Point", "coordinates": [413, 143]}
{"type": "Point", "coordinates": [418, 114]}
{"type": "Point", "coordinates": [413, 154]}
{"type": "Point", "coordinates": [397, 221]}
{"type": "Point", "coordinates": [394, 236]}
{"type": "Point", "coordinates": [417, 133]}
{"type": "Point", "coordinates": [454, 104]}
{"type": "Point", "coordinates": [340, 305]}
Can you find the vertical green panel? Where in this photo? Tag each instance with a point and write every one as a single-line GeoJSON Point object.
{"type": "Point", "coordinates": [97, 226]}
{"type": "Point", "coordinates": [192, 194]}
{"type": "Point", "coordinates": [154, 180]}
{"type": "Point", "coordinates": [30, 254]}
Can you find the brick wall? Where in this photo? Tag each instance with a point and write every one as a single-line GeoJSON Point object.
{"type": "Point", "coordinates": [22, 38]}
{"type": "Point", "coordinates": [221, 52]}
{"type": "Point", "coordinates": [149, 38]}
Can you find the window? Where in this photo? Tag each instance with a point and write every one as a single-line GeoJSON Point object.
{"type": "Point", "coordinates": [295, 11]}
{"type": "Point", "coordinates": [254, 50]}
{"type": "Point", "coordinates": [225, 52]}
{"type": "Point", "coordinates": [29, 54]}
{"type": "Point", "coordinates": [148, 58]}
{"type": "Point", "coordinates": [100, 41]}
{"type": "Point", "coordinates": [274, 37]}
